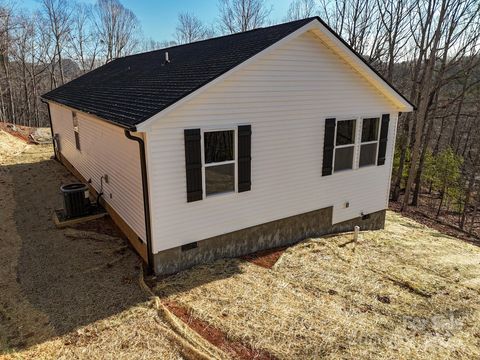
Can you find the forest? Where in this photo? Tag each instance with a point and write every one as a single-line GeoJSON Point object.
{"type": "Point", "coordinates": [428, 49]}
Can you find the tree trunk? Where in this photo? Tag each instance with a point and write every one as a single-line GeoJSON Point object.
{"type": "Point", "coordinates": [474, 215]}
{"type": "Point", "coordinates": [453, 136]}
{"type": "Point", "coordinates": [418, 178]}
{"type": "Point", "coordinates": [442, 197]}
{"type": "Point", "coordinates": [403, 151]}
{"type": "Point", "coordinates": [11, 103]}
{"type": "Point", "coordinates": [468, 192]}
{"type": "Point", "coordinates": [2, 103]}
{"type": "Point", "coordinates": [423, 107]}
{"type": "Point", "coordinates": [60, 64]}
{"type": "Point", "coordinates": [26, 94]}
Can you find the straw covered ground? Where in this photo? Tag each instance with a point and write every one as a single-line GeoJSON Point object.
{"type": "Point", "coordinates": [406, 292]}
{"type": "Point", "coordinates": [69, 293]}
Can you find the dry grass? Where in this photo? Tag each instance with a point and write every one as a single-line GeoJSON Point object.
{"type": "Point", "coordinates": [135, 333]}
{"type": "Point", "coordinates": [407, 292]}
{"type": "Point", "coordinates": [69, 294]}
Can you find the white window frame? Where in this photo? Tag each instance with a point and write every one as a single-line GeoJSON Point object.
{"type": "Point", "coordinates": [354, 144]}
{"type": "Point", "coordinates": [358, 139]}
{"type": "Point", "coordinates": [379, 118]}
{"type": "Point", "coordinates": [234, 161]}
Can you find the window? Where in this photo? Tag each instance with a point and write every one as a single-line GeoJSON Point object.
{"type": "Point", "coordinates": [369, 144]}
{"type": "Point", "coordinates": [219, 161]}
{"type": "Point", "coordinates": [347, 146]}
{"type": "Point", "coordinates": [75, 130]}
{"type": "Point", "coordinates": [344, 145]}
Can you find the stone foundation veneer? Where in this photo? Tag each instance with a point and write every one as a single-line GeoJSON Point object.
{"type": "Point", "coordinates": [273, 234]}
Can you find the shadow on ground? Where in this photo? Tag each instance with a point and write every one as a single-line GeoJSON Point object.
{"type": "Point", "coordinates": [63, 282]}
{"type": "Point", "coordinates": [55, 283]}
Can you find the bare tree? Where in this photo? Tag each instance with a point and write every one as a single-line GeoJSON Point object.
{"type": "Point", "coordinates": [6, 40]}
{"type": "Point", "coordinates": [444, 28]}
{"type": "Point", "coordinates": [243, 15]}
{"type": "Point", "coordinates": [149, 44]}
{"type": "Point", "coordinates": [301, 9]}
{"type": "Point", "coordinates": [21, 54]}
{"type": "Point", "coordinates": [58, 14]}
{"type": "Point", "coordinates": [83, 42]}
{"type": "Point", "coordinates": [356, 21]}
{"type": "Point", "coordinates": [394, 20]}
{"type": "Point", "coordinates": [190, 28]}
{"type": "Point", "coordinates": [426, 16]}
{"type": "Point", "coordinates": [117, 28]}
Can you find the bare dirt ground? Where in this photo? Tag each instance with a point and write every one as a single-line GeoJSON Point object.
{"type": "Point", "coordinates": [30, 135]}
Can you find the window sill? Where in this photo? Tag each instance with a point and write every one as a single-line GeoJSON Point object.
{"type": "Point", "coordinates": [353, 170]}
{"type": "Point", "coordinates": [219, 195]}
{"type": "Point", "coordinates": [342, 171]}
{"type": "Point", "coordinates": [367, 166]}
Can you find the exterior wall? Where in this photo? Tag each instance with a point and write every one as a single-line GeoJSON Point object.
{"type": "Point", "coordinates": [270, 235]}
{"type": "Point", "coordinates": [286, 96]}
{"type": "Point", "coordinates": [104, 151]}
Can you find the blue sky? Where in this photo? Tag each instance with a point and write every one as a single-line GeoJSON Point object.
{"type": "Point", "coordinates": [159, 17]}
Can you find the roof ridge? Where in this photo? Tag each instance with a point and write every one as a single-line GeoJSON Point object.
{"type": "Point", "coordinates": [305, 20]}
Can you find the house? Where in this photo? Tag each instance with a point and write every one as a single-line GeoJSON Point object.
{"type": "Point", "coordinates": [235, 144]}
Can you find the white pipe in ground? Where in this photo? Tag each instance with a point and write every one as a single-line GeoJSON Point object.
{"type": "Point", "coordinates": [356, 230]}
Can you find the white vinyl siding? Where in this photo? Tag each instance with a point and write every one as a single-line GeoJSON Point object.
{"type": "Point", "coordinates": [104, 151]}
{"type": "Point", "coordinates": [286, 97]}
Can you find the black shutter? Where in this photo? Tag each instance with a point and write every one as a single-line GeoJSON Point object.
{"type": "Point", "coordinates": [193, 164]}
{"type": "Point", "coordinates": [244, 158]}
{"type": "Point", "coordinates": [382, 147]}
{"type": "Point", "coordinates": [328, 147]}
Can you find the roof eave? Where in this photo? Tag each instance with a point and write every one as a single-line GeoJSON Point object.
{"type": "Point", "coordinates": [132, 128]}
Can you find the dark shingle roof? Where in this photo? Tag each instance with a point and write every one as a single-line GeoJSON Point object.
{"type": "Point", "coordinates": [129, 90]}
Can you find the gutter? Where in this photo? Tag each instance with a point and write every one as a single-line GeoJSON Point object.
{"type": "Point", "coordinates": [51, 127]}
{"type": "Point", "coordinates": [146, 197]}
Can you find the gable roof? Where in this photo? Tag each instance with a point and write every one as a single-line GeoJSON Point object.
{"type": "Point", "coordinates": [132, 89]}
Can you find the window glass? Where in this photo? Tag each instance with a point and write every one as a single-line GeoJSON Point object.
{"type": "Point", "coordinates": [343, 158]}
{"type": "Point", "coordinates": [220, 178]}
{"type": "Point", "coordinates": [219, 146]}
{"type": "Point", "coordinates": [345, 132]}
{"type": "Point", "coordinates": [370, 129]}
{"type": "Point", "coordinates": [368, 154]}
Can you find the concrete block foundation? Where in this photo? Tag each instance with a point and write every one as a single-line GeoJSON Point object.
{"type": "Point", "coordinates": [273, 234]}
